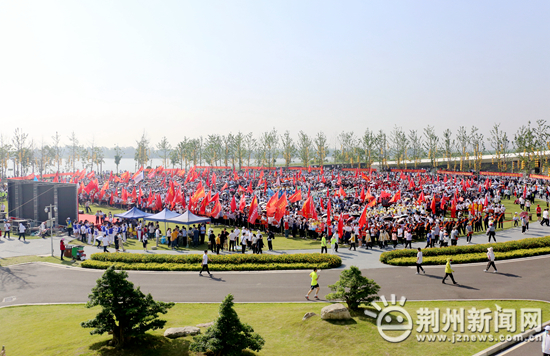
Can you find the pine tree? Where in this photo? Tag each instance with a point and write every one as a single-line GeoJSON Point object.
{"type": "Point", "coordinates": [228, 336]}
{"type": "Point", "coordinates": [126, 311]}
{"type": "Point", "coordinates": [354, 288]}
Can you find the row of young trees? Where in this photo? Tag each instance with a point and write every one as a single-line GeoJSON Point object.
{"type": "Point", "coordinates": [37, 157]}
{"type": "Point", "coordinates": [459, 150]}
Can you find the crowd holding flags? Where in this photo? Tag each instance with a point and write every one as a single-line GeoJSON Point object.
{"type": "Point", "coordinates": [317, 200]}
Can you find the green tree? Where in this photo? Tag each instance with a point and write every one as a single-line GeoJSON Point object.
{"type": "Point", "coordinates": [354, 289]}
{"type": "Point", "coordinates": [228, 336]}
{"type": "Point", "coordinates": [447, 147]}
{"type": "Point", "coordinates": [431, 144]}
{"type": "Point", "coordinates": [287, 148]}
{"type": "Point", "coordinates": [142, 151]}
{"type": "Point", "coordinates": [58, 150]}
{"type": "Point", "coordinates": [368, 144]}
{"type": "Point", "coordinates": [304, 148]}
{"type": "Point", "coordinates": [462, 143]}
{"type": "Point", "coordinates": [416, 147]}
{"type": "Point", "coordinates": [321, 148]}
{"type": "Point", "coordinates": [118, 157]}
{"type": "Point", "coordinates": [163, 150]}
{"type": "Point", "coordinates": [125, 311]}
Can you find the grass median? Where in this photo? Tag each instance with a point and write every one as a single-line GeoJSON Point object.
{"type": "Point", "coordinates": [55, 330]}
{"type": "Point", "coordinates": [192, 262]}
{"type": "Point", "coordinates": [470, 253]}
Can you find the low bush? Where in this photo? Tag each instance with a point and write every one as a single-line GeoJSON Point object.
{"type": "Point", "coordinates": [152, 266]}
{"type": "Point", "coordinates": [470, 253]}
{"type": "Point", "coordinates": [191, 262]}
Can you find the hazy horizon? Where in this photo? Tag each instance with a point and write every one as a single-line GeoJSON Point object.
{"type": "Point", "coordinates": [110, 71]}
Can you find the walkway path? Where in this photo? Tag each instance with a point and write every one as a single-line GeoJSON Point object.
{"type": "Point", "coordinates": [362, 258]}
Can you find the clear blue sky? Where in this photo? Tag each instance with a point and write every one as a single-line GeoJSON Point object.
{"type": "Point", "coordinates": [111, 69]}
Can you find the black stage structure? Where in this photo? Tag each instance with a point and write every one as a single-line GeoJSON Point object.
{"type": "Point", "coordinates": [27, 200]}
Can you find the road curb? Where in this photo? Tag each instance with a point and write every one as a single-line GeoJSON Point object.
{"type": "Point", "coordinates": [493, 350]}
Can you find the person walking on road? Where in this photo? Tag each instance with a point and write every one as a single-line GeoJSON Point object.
{"type": "Point", "coordinates": [491, 258]}
{"type": "Point", "coordinates": [324, 244]}
{"type": "Point", "coordinates": [7, 229]}
{"type": "Point", "coordinates": [491, 232]}
{"type": "Point", "coordinates": [205, 260]}
{"type": "Point", "coordinates": [545, 218]}
{"type": "Point", "coordinates": [22, 230]}
{"type": "Point", "coordinates": [334, 243]}
{"type": "Point", "coordinates": [352, 242]}
{"type": "Point", "coordinates": [314, 284]}
{"type": "Point", "coordinates": [448, 272]}
{"type": "Point", "coordinates": [419, 262]}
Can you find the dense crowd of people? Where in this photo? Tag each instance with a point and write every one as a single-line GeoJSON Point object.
{"type": "Point", "coordinates": [365, 207]}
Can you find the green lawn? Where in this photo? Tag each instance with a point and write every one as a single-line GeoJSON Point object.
{"type": "Point", "coordinates": [24, 259]}
{"type": "Point", "coordinates": [55, 330]}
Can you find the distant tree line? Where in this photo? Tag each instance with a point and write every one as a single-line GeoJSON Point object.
{"type": "Point", "coordinates": [460, 150]}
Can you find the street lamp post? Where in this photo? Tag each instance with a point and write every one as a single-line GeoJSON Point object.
{"type": "Point", "coordinates": [50, 209]}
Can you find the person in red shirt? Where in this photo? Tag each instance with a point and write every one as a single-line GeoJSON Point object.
{"type": "Point", "coordinates": [62, 248]}
{"type": "Point", "coordinates": [539, 212]}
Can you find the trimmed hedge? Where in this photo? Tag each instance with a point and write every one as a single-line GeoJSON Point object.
{"type": "Point", "coordinates": [191, 262]}
{"type": "Point", "coordinates": [470, 253]}
{"type": "Point", "coordinates": [470, 257]}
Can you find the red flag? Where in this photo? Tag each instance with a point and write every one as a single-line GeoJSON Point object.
{"type": "Point", "coordinates": [421, 198]}
{"type": "Point", "coordinates": [224, 187]}
{"type": "Point", "coordinates": [282, 203]}
{"type": "Point", "coordinates": [253, 210]}
{"type": "Point", "coordinates": [233, 204]}
{"type": "Point", "coordinates": [443, 202]}
{"type": "Point", "coordinates": [271, 206]}
{"type": "Point", "coordinates": [432, 205]}
{"type": "Point", "coordinates": [363, 218]}
{"type": "Point", "coordinates": [363, 196]}
{"type": "Point", "coordinates": [328, 212]}
{"type": "Point", "coordinates": [295, 197]}
{"type": "Point", "coordinates": [396, 197]}
{"type": "Point", "coordinates": [342, 193]}
{"type": "Point", "coordinates": [216, 210]}
{"type": "Point", "coordinates": [242, 203]}
{"type": "Point", "coordinates": [341, 225]}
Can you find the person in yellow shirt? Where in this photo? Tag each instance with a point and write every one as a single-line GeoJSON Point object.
{"type": "Point", "coordinates": [218, 244]}
{"type": "Point", "coordinates": [174, 238]}
{"type": "Point", "coordinates": [314, 284]}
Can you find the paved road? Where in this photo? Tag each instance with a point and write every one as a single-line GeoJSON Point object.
{"type": "Point", "coordinates": [47, 283]}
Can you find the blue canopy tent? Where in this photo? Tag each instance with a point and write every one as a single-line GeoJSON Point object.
{"type": "Point", "coordinates": [133, 213]}
{"type": "Point", "coordinates": [188, 218]}
{"type": "Point", "coordinates": [163, 216]}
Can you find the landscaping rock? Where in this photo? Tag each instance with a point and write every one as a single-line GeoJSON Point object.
{"type": "Point", "coordinates": [308, 315]}
{"type": "Point", "coordinates": [205, 325]}
{"type": "Point", "coordinates": [174, 333]}
{"type": "Point", "coordinates": [335, 312]}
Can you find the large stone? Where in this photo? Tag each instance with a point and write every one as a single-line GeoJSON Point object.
{"type": "Point", "coordinates": [335, 312]}
{"type": "Point", "coordinates": [205, 325]}
{"type": "Point", "coordinates": [174, 333]}
{"type": "Point", "coordinates": [308, 315]}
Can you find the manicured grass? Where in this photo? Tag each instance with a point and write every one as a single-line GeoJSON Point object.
{"type": "Point", "coordinates": [24, 259]}
{"type": "Point", "coordinates": [55, 330]}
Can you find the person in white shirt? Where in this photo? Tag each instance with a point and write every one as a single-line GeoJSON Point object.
{"type": "Point", "coordinates": [7, 229]}
{"type": "Point", "coordinates": [244, 240]}
{"type": "Point", "coordinates": [22, 230]}
{"type": "Point", "coordinates": [205, 261]}
{"type": "Point", "coordinates": [491, 258]}
{"type": "Point", "coordinates": [419, 262]}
